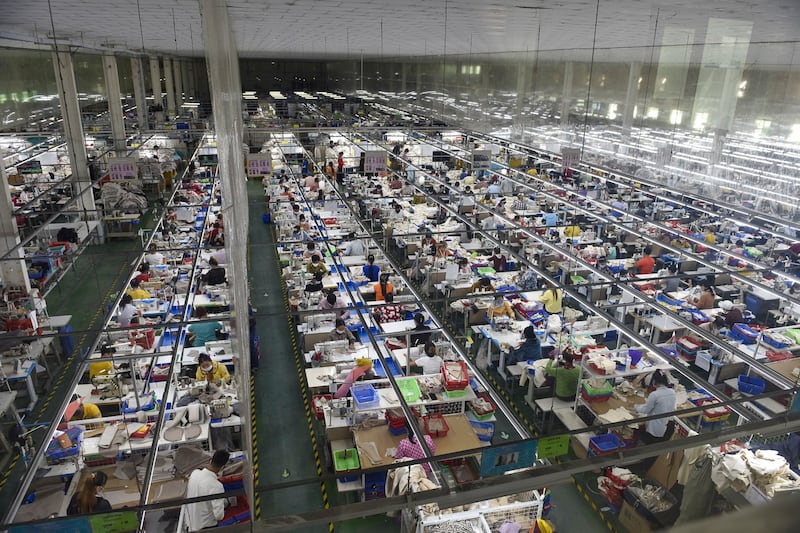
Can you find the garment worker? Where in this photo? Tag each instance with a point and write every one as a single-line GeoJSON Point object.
{"type": "Point", "coordinates": [206, 514]}
{"type": "Point", "coordinates": [211, 371]}
{"type": "Point", "coordinates": [340, 332]}
{"type": "Point", "coordinates": [203, 332]}
{"type": "Point", "coordinates": [553, 299]}
{"type": "Point", "coordinates": [429, 362]}
{"type": "Point", "coordinates": [87, 499]}
{"type": "Point", "coordinates": [566, 375]}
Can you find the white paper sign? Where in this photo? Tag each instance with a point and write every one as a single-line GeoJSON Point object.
{"type": "Point", "coordinates": [481, 159]}
{"type": "Point", "coordinates": [374, 162]}
{"type": "Point", "coordinates": [122, 168]}
{"type": "Point", "coordinates": [259, 165]}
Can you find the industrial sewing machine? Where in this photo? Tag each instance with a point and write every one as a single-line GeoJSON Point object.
{"type": "Point", "coordinates": [109, 385]}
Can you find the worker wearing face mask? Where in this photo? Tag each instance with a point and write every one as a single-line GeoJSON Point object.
{"type": "Point", "coordinates": [211, 371]}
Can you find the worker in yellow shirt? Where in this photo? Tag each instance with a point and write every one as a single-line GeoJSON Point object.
{"type": "Point", "coordinates": [87, 411]}
{"type": "Point", "coordinates": [211, 371]}
{"type": "Point", "coordinates": [573, 232]}
{"type": "Point", "coordinates": [136, 292]}
{"type": "Point", "coordinates": [710, 237]}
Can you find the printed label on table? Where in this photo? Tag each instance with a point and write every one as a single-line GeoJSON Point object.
{"type": "Point", "coordinates": [553, 446]}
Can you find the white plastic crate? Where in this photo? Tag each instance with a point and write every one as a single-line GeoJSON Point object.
{"type": "Point", "coordinates": [469, 521]}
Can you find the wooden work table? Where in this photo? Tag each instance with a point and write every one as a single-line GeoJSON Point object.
{"type": "Point", "coordinates": [460, 437]}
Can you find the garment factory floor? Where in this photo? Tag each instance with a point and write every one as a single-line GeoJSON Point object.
{"type": "Point", "coordinates": [284, 442]}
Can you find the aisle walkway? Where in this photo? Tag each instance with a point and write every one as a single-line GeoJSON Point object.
{"type": "Point", "coordinates": [282, 432]}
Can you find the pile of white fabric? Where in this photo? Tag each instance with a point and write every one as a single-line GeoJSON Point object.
{"type": "Point", "coordinates": [766, 469]}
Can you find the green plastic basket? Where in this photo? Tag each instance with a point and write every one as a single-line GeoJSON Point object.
{"type": "Point", "coordinates": [458, 393]}
{"type": "Point", "coordinates": [345, 460]}
{"type": "Point", "coordinates": [410, 389]}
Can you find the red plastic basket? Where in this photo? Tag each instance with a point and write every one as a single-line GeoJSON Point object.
{"type": "Point", "coordinates": [318, 412]}
{"type": "Point", "coordinates": [145, 338]}
{"type": "Point", "coordinates": [435, 425]}
{"type": "Point", "coordinates": [483, 412]}
{"type": "Point", "coordinates": [397, 419]}
{"type": "Point", "coordinates": [773, 355]}
{"type": "Point", "coordinates": [708, 416]}
{"type": "Point", "coordinates": [455, 375]}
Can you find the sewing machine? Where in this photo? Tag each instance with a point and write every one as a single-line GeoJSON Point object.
{"type": "Point", "coordinates": [220, 408]}
{"type": "Point", "coordinates": [501, 323]}
{"type": "Point", "coordinates": [109, 385]}
{"type": "Point", "coordinates": [330, 348]}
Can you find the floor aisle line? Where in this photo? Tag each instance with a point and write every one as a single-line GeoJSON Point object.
{"type": "Point", "coordinates": [285, 447]}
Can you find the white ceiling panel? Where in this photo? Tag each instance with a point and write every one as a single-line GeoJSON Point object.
{"type": "Point", "coordinates": [318, 29]}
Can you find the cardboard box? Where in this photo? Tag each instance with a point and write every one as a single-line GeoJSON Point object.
{"type": "Point", "coordinates": [633, 521]}
{"type": "Point", "coordinates": [665, 469]}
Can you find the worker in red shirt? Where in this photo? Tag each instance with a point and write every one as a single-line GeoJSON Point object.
{"type": "Point", "coordinates": [646, 264]}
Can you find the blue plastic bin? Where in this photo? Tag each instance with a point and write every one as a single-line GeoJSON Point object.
{"type": "Point", "coordinates": [751, 385]}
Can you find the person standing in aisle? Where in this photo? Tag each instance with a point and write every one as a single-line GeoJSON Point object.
{"type": "Point", "coordinates": [659, 402]}
{"type": "Point", "coordinates": [340, 169]}
{"type": "Point", "coordinates": [203, 515]}
{"type": "Point", "coordinates": [409, 447]}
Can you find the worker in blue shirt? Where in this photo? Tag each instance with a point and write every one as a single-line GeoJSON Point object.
{"type": "Point", "coordinates": [529, 350]}
{"type": "Point", "coordinates": [371, 270]}
{"type": "Point", "coordinates": [550, 218]}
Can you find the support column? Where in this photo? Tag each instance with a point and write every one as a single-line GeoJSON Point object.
{"type": "Point", "coordinates": [176, 67]}
{"type": "Point", "coordinates": [634, 72]}
{"type": "Point", "coordinates": [137, 75]}
{"type": "Point", "coordinates": [566, 95]}
{"type": "Point", "coordinates": [523, 81]}
{"type": "Point", "coordinates": [191, 87]}
{"type": "Point", "coordinates": [403, 76]}
{"type": "Point", "coordinates": [73, 130]}
{"type": "Point", "coordinates": [170, 88]}
{"type": "Point", "coordinates": [114, 101]}
{"type": "Point", "coordinates": [13, 270]}
{"type": "Point", "coordinates": [155, 79]}
{"type": "Point", "coordinates": [226, 102]}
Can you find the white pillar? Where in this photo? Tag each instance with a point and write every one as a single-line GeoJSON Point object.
{"type": "Point", "coordinates": [13, 270]}
{"type": "Point", "coordinates": [634, 72]}
{"type": "Point", "coordinates": [170, 88]}
{"type": "Point", "coordinates": [114, 101]}
{"type": "Point", "coordinates": [137, 76]}
{"type": "Point", "coordinates": [177, 74]}
{"type": "Point", "coordinates": [566, 95]}
{"type": "Point", "coordinates": [222, 62]}
{"type": "Point", "coordinates": [73, 130]}
{"type": "Point", "coordinates": [188, 82]}
{"type": "Point", "coordinates": [155, 80]}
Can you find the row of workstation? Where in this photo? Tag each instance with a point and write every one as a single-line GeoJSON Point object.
{"type": "Point", "coordinates": [391, 336]}
{"type": "Point", "coordinates": [143, 402]}
{"type": "Point", "coordinates": [666, 322]}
